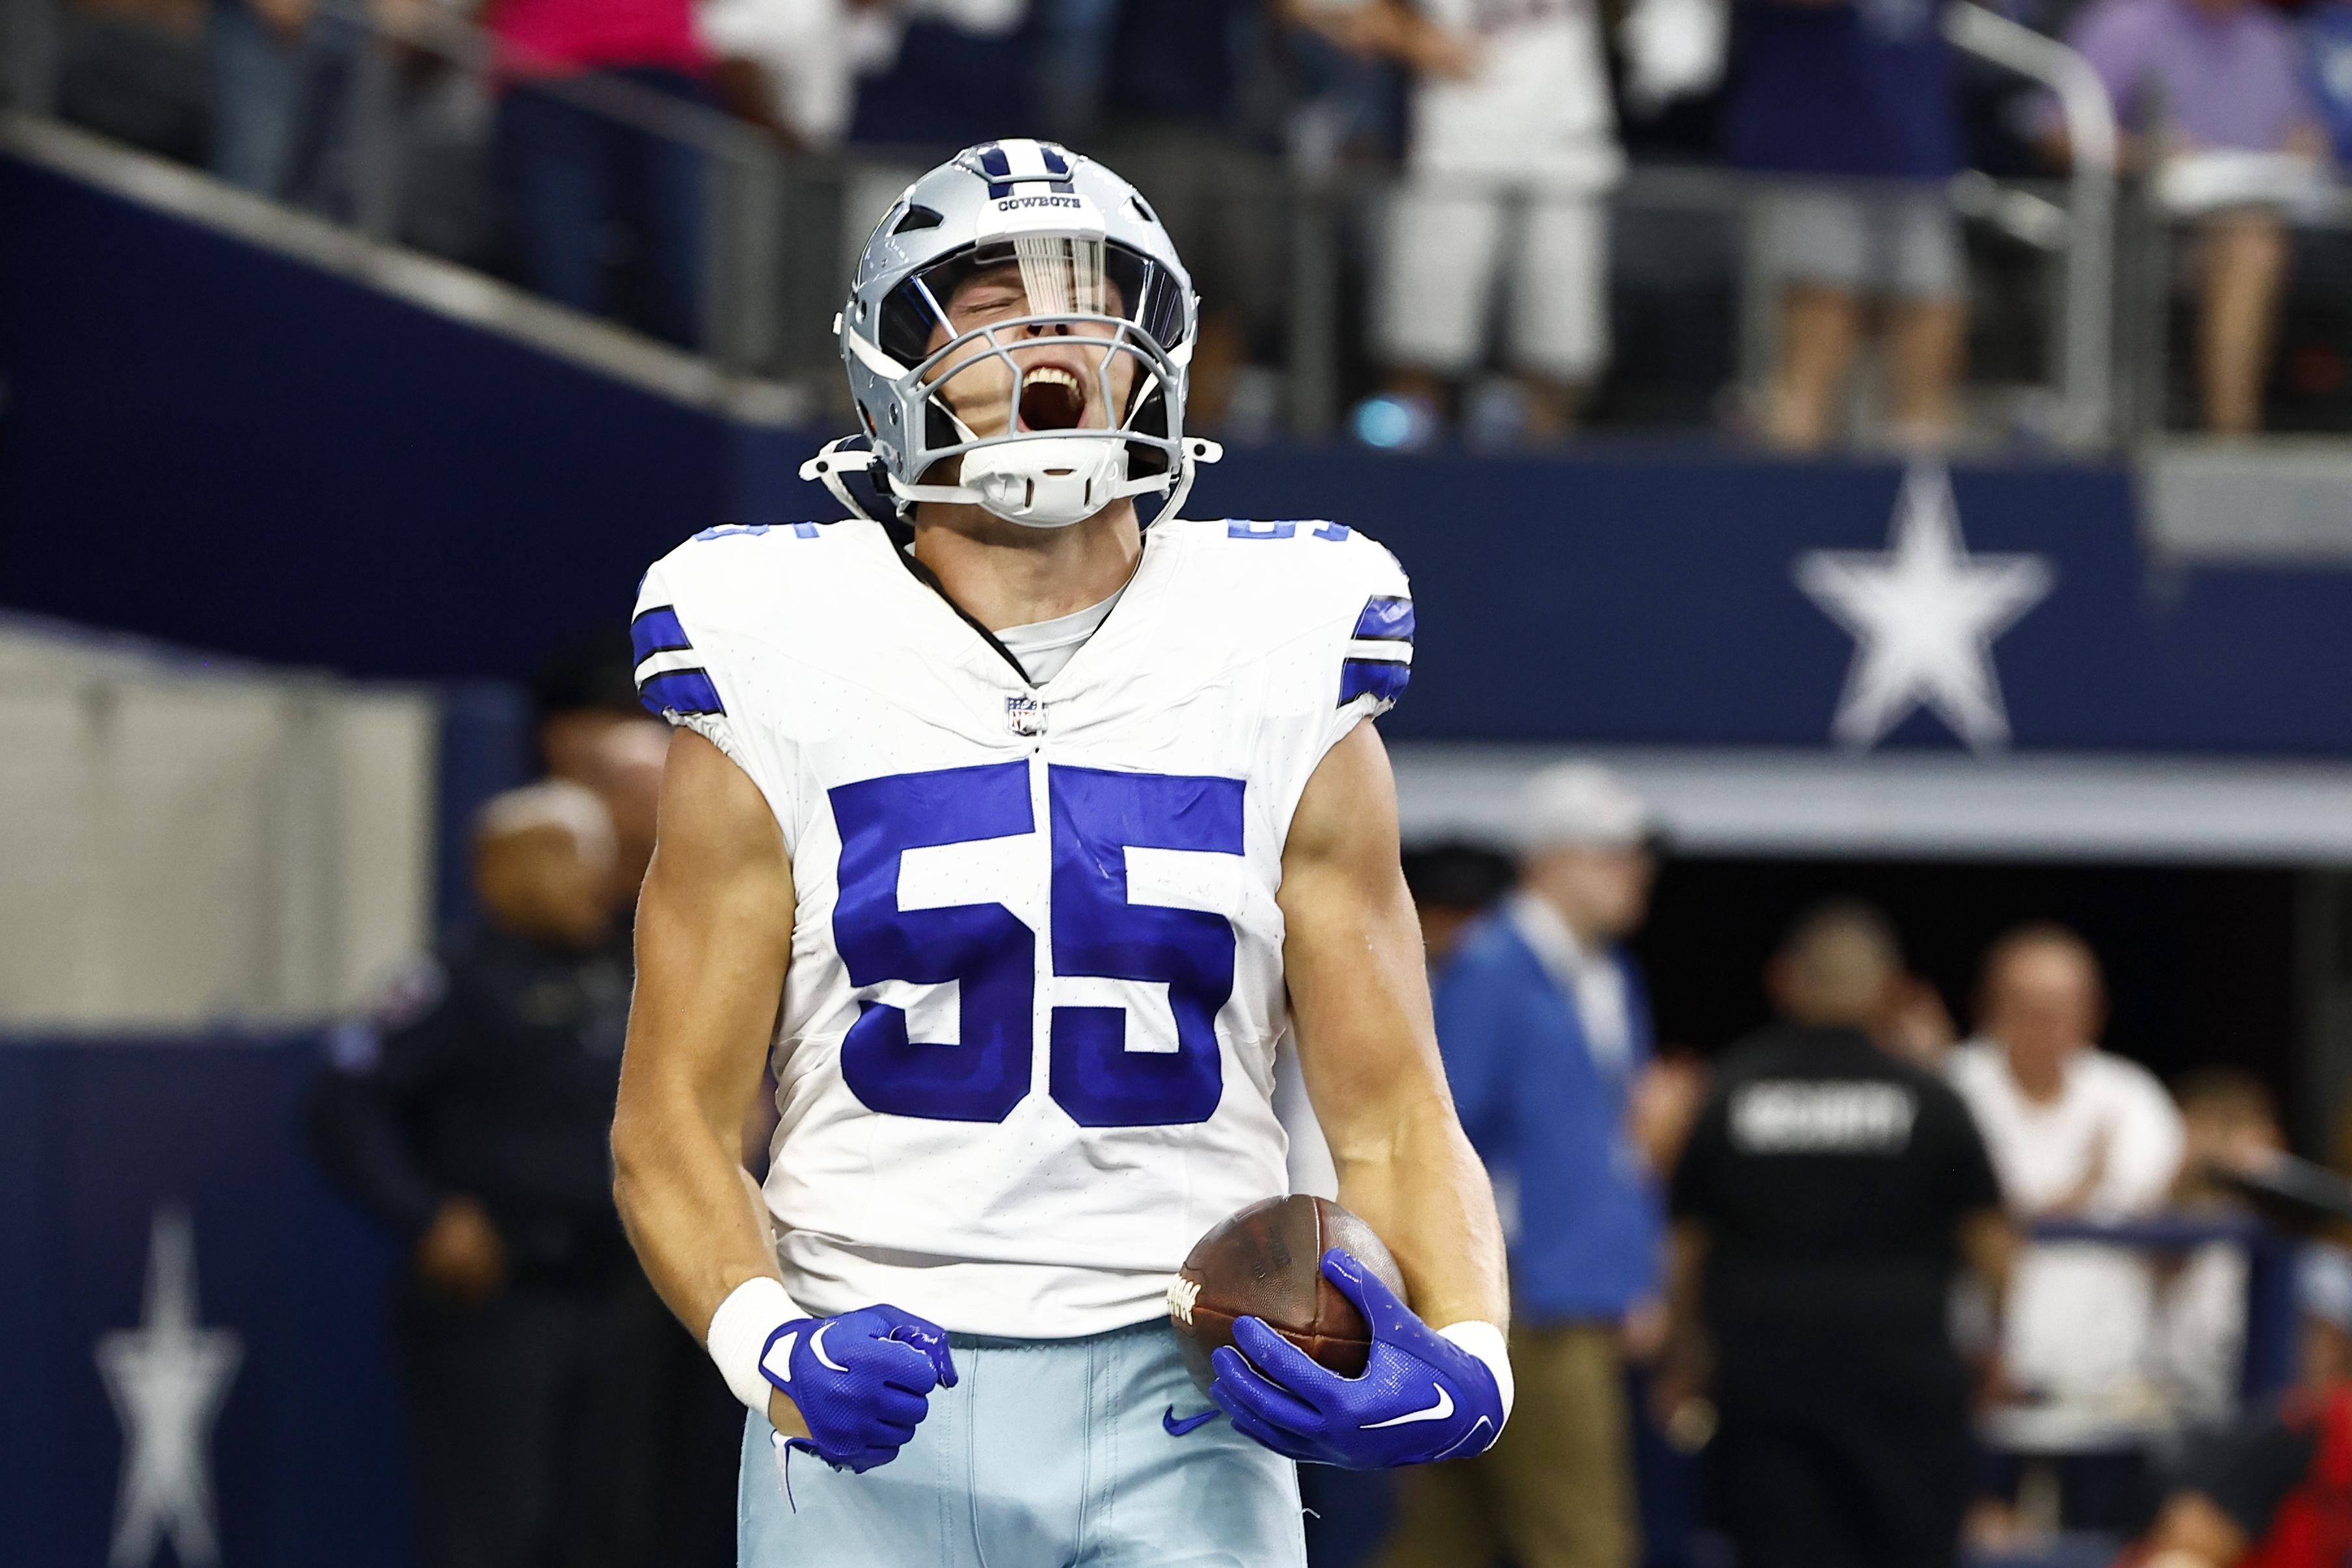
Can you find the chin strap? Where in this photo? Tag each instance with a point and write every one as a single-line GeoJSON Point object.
{"type": "Point", "coordinates": [835, 460]}
{"type": "Point", "coordinates": [1197, 451]}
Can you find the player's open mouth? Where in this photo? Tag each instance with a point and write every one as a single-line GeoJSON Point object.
{"type": "Point", "coordinates": [1051, 399]}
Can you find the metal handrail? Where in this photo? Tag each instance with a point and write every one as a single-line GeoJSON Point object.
{"type": "Point", "coordinates": [746, 216]}
{"type": "Point", "coordinates": [2086, 350]}
{"type": "Point", "coordinates": [754, 181]}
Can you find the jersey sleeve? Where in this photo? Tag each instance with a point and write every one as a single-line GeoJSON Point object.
{"type": "Point", "coordinates": [1373, 657]}
{"type": "Point", "coordinates": [674, 680]}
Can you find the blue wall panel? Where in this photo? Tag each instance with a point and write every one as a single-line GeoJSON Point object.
{"type": "Point", "coordinates": [28, 1336]}
{"type": "Point", "coordinates": [213, 443]}
{"type": "Point", "coordinates": [307, 1460]}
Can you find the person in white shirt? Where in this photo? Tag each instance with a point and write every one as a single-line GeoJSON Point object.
{"type": "Point", "coordinates": [2074, 1133]}
{"type": "Point", "coordinates": [1512, 154]}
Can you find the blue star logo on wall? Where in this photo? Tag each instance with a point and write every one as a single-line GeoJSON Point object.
{"type": "Point", "coordinates": [168, 1379]}
{"type": "Point", "coordinates": [1923, 615]}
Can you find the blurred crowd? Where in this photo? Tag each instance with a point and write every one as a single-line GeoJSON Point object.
{"type": "Point", "coordinates": [557, 1413]}
{"type": "Point", "coordinates": [1488, 282]}
{"type": "Point", "coordinates": [1855, 1290]}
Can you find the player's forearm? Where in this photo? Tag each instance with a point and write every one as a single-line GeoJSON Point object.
{"type": "Point", "coordinates": [714, 935]}
{"type": "Point", "coordinates": [1421, 1187]}
{"type": "Point", "coordinates": [696, 1221]}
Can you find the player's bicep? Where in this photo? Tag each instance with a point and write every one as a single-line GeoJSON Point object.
{"type": "Point", "coordinates": [1352, 955]}
{"type": "Point", "coordinates": [713, 937]}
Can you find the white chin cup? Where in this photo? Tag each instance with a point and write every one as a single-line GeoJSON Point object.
{"type": "Point", "coordinates": [1047, 484]}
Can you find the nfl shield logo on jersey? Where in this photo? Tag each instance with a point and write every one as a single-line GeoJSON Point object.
{"type": "Point", "coordinates": [1026, 715]}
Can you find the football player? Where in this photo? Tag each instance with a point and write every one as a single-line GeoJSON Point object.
{"type": "Point", "coordinates": [1014, 835]}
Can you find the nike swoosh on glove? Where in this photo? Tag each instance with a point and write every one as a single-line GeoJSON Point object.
{"type": "Point", "coordinates": [862, 1381]}
{"type": "Point", "coordinates": [1422, 1396]}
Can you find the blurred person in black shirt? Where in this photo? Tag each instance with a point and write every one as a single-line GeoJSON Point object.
{"type": "Point", "coordinates": [1824, 1209]}
{"type": "Point", "coordinates": [472, 1120]}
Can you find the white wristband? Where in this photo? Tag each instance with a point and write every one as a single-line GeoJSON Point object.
{"type": "Point", "coordinates": [740, 1330]}
{"type": "Point", "coordinates": [1485, 1341]}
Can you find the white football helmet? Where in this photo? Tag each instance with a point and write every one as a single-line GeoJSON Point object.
{"type": "Point", "coordinates": [1093, 257]}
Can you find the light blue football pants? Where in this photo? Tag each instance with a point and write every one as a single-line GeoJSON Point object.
{"type": "Point", "coordinates": [1046, 1454]}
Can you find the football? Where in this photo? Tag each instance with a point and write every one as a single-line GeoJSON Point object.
{"type": "Point", "coordinates": [1266, 1262]}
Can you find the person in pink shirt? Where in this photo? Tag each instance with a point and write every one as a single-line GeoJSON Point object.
{"type": "Point", "coordinates": [570, 173]}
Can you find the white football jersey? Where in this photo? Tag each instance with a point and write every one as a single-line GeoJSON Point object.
{"type": "Point", "coordinates": [1025, 1054]}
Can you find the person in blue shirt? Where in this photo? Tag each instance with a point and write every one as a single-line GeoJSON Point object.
{"type": "Point", "coordinates": [1545, 1029]}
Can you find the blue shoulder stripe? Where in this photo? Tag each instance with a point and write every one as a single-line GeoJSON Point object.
{"type": "Point", "coordinates": [680, 691]}
{"type": "Point", "coordinates": [1382, 678]}
{"type": "Point", "coordinates": [1387, 618]}
{"type": "Point", "coordinates": [657, 631]}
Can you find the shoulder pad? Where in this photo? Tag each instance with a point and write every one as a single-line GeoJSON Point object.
{"type": "Point", "coordinates": [720, 582]}
{"type": "Point", "coordinates": [1343, 579]}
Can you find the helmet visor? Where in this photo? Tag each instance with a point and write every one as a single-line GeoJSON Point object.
{"type": "Point", "coordinates": [1003, 282]}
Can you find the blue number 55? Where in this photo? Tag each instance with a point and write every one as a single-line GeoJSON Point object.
{"type": "Point", "coordinates": [1097, 816]}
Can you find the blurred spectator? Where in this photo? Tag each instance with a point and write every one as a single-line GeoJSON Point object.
{"type": "Point", "coordinates": [1178, 118]}
{"type": "Point", "coordinates": [1452, 886]}
{"type": "Point", "coordinates": [1545, 1031]}
{"type": "Point", "coordinates": [2075, 1134]}
{"type": "Point", "coordinates": [1853, 90]}
{"type": "Point", "coordinates": [1918, 1026]}
{"type": "Point", "coordinates": [2229, 1122]}
{"type": "Point", "coordinates": [472, 1122]}
{"type": "Point", "coordinates": [2323, 1294]}
{"type": "Point", "coordinates": [1172, 122]}
{"type": "Point", "coordinates": [581, 693]}
{"type": "Point", "coordinates": [2270, 1493]}
{"type": "Point", "coordinates": [792, 66]}
{"type": "Point", "coordinates": [1349, 1512]}
{"type": "Point", "coordinates": [627, 761]}
{"type": "Point", "coordinates": [255, 61]}
{"type": "Point", "coordinates": [949, 74]}
{"type": "Point", "coordinates": [2216, 95]}
{"type": "Point", "coordinates": [570, 174]}
{"type": "Point", "coordinates": [2328, 46]}
{"type": "Point", "coordinates": [1513, 149]}
{"type": "Point", "coordinates": [1822, 1211]}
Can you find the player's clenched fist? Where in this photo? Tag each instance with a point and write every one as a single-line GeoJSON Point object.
{"type": "Point", "coordinates": [860, 1381]}
{"type": "Point", "coordinates": [1425, 1394]}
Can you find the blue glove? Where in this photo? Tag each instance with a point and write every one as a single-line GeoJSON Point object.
{"type": "Point", "coordinates": [861, 1381]}
{"type": "Point", "coordinates": [1422, 1396]}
